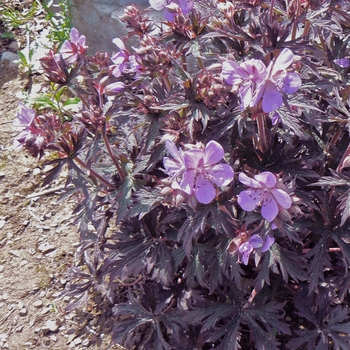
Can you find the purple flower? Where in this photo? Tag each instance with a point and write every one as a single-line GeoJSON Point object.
{"type": "Point", "coordinates": [343, 62]}
{"type": "Point", "coordinates": [255, 242]}
{"type": "Point", "coordinates": [114, 88]}
{"type": "Point", "coordinates": [184, 5]}
{"type": "Point", "coordinates": [123, 61]}
{"type": "Point", "coordinates": [263, 191]}
{"type": "Point", "coordinates": [249, 76]}
{"type": "Point", "coordinates": [278, 79]}
{"type": "Point", "coordinates": [24, 118]}
{"type": "Point", "coordinates": [195, 171]}
{"type": "Point", "coordinates": [73, 47]}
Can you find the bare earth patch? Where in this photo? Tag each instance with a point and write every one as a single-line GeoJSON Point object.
{"type": "Point", "coordinates": [37, 245]}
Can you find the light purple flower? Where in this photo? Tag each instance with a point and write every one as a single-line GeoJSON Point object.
{"type": "Point", "coordinates": [195, 171]}
{"type": "Point", "coordinates": [343, 62]}
{"type": "Point", "coordinates": [24, 118]}
{"type": "Point", "coordinates": [248, 75]}
{"type": "Point", "coordinates": [255, 242]}
{"type": "Point", "coordinates": [123, 61]}
{"type": "Point", "coordinates": [184, 5]}
{"type": "Point", "coordinates": [114, 88]}
{"type": "Point", "coordinates": [73, 47]}
{"type": "Point", "coordinates": [278, 80]}
{"type": "Point", "coordinates": [263, 191]}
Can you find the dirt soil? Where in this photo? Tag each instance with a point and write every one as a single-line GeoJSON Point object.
{"type": "Point", "coordinates": [37, 245]}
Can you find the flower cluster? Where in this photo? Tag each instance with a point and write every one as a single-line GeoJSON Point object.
{"type": "Point", "coordinates": [254, 242]}
{"type": "Point", "coordinates": [195, 171]}
{"type": "Point", "coordinates": [171, 7]}
{"type": "Point", "coordinates": [263, 191]}
{"type": "Point", "coordinates": [74, 47]}
{"type": "Point", "coordinates": [256, 82]}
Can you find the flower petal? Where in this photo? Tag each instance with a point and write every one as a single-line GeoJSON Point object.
{"type": "Point", "coordinates": [272, 98]}
{"type": "Point", "coordinates": [249, 199]}
{"type": "Point", "coordinates": [269, 208]}
{"type": "Point", "coordinates": [193, 157]}
{"type": "Point", "coordinates": [283, 61]}
{"type": "Point", "coordinates": [267, 179]}
{"type": "Point", "coordinates": [291, 83]}
{"type": "Point", "coordinates": [204, 190]}
{"type": "Point", "coordinates": [269, 240]}
{"type": "Point", "coordinates": [221, 174]}
{"type": "Point", "coordinates": [171, 148]}
{"type": "Point", "coordinates": [282, 198]}
{"type": "Point", "coordinates": [246, 95]}
{"type": "Point", "coordinates": [256, 241]}
{"type": "Point", "coordinates": [172, 167]}
{"type": "Point", "coordinates": [232, 73]}
{"type": "Point", "coordinates": [187, 182]}
{"type": "Point", "coordinates": [157, 4]}
{"type": "Point", "coordinates": [119, 43]}
{"type": "Point", "coordinates": [74, 35]}
{"type": "Point", "coordinates": [168, 15]}
{"type": "Point", "coordinates": [186, 6]}
{"type": "Point", "coordinates": [248, 181]}
{"type": "Point", "coordinates": [342, 62]}
{"type": "Point", "coordinates": [213, 153]}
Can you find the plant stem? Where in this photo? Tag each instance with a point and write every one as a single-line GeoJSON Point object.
{"type": "Point", "coordinates": [261, 131]}
{"type": "Point", "coordinates": [272, 5]}
{"type": "Point", "coordinates": [200, 63]}
{"type": "Point", "coordinates": [167, 82]}
{"type": "Point", "coordinates": [93, 173]}
{"type": "Point", "coordinates": [111, 153]}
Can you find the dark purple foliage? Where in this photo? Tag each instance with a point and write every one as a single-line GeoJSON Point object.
{"type": "Point", "coordinates": [212, 160]}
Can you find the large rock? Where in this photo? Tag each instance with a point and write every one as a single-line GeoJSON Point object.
{"type": "Point", "coordinates": [99, 21]}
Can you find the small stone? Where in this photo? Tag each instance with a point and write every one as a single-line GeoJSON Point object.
{"type": "Point", "coordinates": [77, 341]}
{"type": "Point", "coordinates": [36, 171]}
{"type": "Point", "coordinates": [20, 305]}
{"type": "Point", "coordinates": [10, 57]}
{"type": "Point", "coordinates": [5, 296]}
{"type": "Point", "coordinates": [46, 248]}
{"type": "Point", "coordinates": [19, 329]}
{"type": "Point", "coordinates": [45, 311]}
{"type": "Point", "coordinates": [37, 330]}
{"type": "Point", "coordinates": [23, 312]}
{"type": "Point", "coordinates": [38, 303]}
{"type": "Point", "coordinates": [15, 253]}
{"type": "Point", "coordinates": [2, 174]}
{"type": "Point", "coordinates": [51, 326]}
{"type": "Point", "coordinates": [86, 342]}
{"type": "Point", "coordinates": [14, 46]}
{"type": "Point", "coordinates": [23, 262]}
{"type": "Point", "coordinates": [2, 223]}
{"type": "Point", "coordinates": [2, 268]}
{"type": "Point", "coordinates": [93, 322]}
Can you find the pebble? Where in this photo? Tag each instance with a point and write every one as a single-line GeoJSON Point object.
{"type": "Point", "coordinates": [23, 312]}
{"type": "Point", "coordinates": [46, 248]}
{"type": "Point", "coordinates": [86, 342]}
{"type": "Point", "coordinates": [5, 296]}
{"type": "Point", "coordinates": [2, 268]}
{"type": "Point", "coordinates": [38, 303]}
{"type": "Point", "coordinates": [50, 326]}
{"type": "Point", "coordinates": [15, 253]}
{"type": "Point", "coordinates": [14, 46]}
{"type": "Point", "coordinates": [9, 56]}
{"type": "Point", "coordinates": [20, 305]}
{"type": "Point", "coordinates": [36, 171]}
{"type": "Point", "coordinates": [37, 330]}
{"type": "Point", "coordinates": [23, 262]}
{"type": "Point", "coordinates": [2, 174]}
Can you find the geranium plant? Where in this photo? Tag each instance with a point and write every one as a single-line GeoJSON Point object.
{"type": "Point", "coordinates": [212, 160]}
